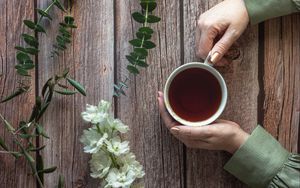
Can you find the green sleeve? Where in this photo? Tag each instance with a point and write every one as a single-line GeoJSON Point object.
{"type": "Point", "coordinates": [260, 10]}
{"type": "Point", "coordinates": [258, 160]}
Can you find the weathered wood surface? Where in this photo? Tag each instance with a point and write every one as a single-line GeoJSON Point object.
{"type": "Point", "coordinates": [13, 173]}
{"type": "Point", "coordinates": [263, 86]}
{"type": "Point", "coordinates": [281, 80]}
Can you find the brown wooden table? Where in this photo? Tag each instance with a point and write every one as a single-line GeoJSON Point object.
{"type": "Point", "coordinates": [263, 85]}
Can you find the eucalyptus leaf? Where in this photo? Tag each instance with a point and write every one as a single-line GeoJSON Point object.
{"type": "Point", "coordinates": [7, 124]}
{"type": "Point", "coordinates": [32, 51]}
{"type": "Point", "coordinates": [143, 36]}
{"type": "Point", "coordinates": [58, 4]}
{"type": "Point", "coordinates": [29, 24]}
{"type": "Point", "coordinates": [77, 86]}
{"type": "Point", "coordinates": [146, 30]}
{"type": "Point", "coordinates": [22, 57]}
{"type": "Point", "coordinates": [37, 149]}
{"type": "Point", "coordinates": [48, 170]}
{"type": "Point", "coordinates": [149, 45]}
{"type": "Point", "coordinates": [132, 69]}
{"type": "Point", "coordinates": [136, 42]}
{"type": "Point", "coordinates": [142, 64]}
{"type": "Point", "coordinates": [138, 17]}
{"type": "Point", "coordinates": [22, 72]}
{"type": "Point", "coordinates": [131, 59]}
{"type": "Point", "coordinates": [69, 20]}
{"type": "Point", "coordinates": [141, 52]}
{"type": "Point", "coordinates": [27, 66]}
{"type": "Point", "coordinates": [65, 92]}
{"type": "Point", "coordinates": [30, 40]}
{"type": "Point", "coordinates": [27, 156]}
{"type": "Point", "coordinates": [148, 5]}
{"type": "Point", "coordinates": [153, 19]}
{"type": "Point", "coordinates": [44, 13]}
{"type": "Point", "coordinates": [39, 28]}
{"type": "Point", "coordinates": [40, 166]}
{"type": "Point", "coordinates": [16, 93]}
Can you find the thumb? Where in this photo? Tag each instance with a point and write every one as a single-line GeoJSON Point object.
{"type": "Point", "coordinates": [222, 46]}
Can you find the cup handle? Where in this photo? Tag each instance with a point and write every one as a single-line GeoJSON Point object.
{"type": "Point", "coordinates": [208, 60]}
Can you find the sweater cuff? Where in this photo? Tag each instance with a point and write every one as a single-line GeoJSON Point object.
{"type": "Point", "coordinates": [258, 160]}
{"type": "Point", "coordinates": [260, 10]}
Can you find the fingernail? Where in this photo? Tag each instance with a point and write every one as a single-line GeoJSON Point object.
{"type": "Point", "coordinates": [215, 57]}
{"type": "Point", "coordinates": [175, 130]}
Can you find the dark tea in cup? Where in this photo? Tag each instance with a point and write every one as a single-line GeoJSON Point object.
{"type": "Point", "coordinates": [195, 94]}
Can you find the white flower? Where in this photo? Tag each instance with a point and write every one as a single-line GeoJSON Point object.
{"type": "Point", "coordinates": [100, 164]}
{"type": "Point", "coordinates": [92, 140]}
{"type": "Point", "coordinates": [120, 178]}
{"type": "Point", "coordinates": [130, 162]}
{"type": "Point", "coordinates": [116, 124]}
{"type": "Point", "coordinates": [117, 147]}
{"type": "Point", "coordinates": [96, 114]}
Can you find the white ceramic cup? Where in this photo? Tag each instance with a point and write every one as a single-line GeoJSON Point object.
{"type": "Point", "coordinates": [216, 74]}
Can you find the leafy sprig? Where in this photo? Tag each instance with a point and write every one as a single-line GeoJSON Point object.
{"type": "Point", "coordinates": [24, 54]}
{"type": "Point", "coordinates": [32, 128]}
{"type": "Point", "coordinates": [141, 44]}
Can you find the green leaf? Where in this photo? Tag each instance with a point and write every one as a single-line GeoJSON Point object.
{"type": "Point", "coordinates": [142, 64]}
{"type": "Point", "coordinates": [138, 17]}
{"type": "Point", "coordinates": [71, 26]}
{"type": "Point", "coordinates": [141, 52]}
{"type": "Point", "coordinates": [136, 42]}
{"type": "Point", "coordinates": [36, 109]}
{"type": "Point", "coordinates": [22, 72]}
{"type": "Point", "coordinates": [123, 84]}
{"type": "Point", "coordinates": [58, 4]}
{"type": "Point", "coordinates": [45, 87]}
{"type": "Point", "coordinates": [44, 14]}
{"type": "Point", "coordinates": [27, 156]}
{"type": "Point", "coordinates": [25, 136]}
{"type": "Point", "coordinates": [146, 30]}
{"type": "Point", "coordinates": [151, 5]}
{"type": "Point", "coordinates": [65, 73]}
{"type": "Point", "coordinates": [131, 59]}
{"type": "Point", "coordinates": [26, 66]}
{"type": "Point", "coordinates": [69, 20]}
{"type": "Point", "coordinates": [16, 93]}
{"type": "Point", "coordinates": [29, 24]}
{"type": "Point", "coordinates": [65, 92]}
{"type": "Point", "coordinates": [149, 45]}
{"type": "Point", "coordinates": [143, 36]}
{"type": "Point", "coordinates": [30, 40]}
{"type": "Point", "coordinates": [77, 86]}
{"type": "Point", "coordinates": [61, 182]}
{"type": "Point", "coordinates": [47, 170]}
{"type": "Point", "coordinates": [40, 166]}
{"type": "Point", "coordinates": [153, 19]}
{"type": "Point", "coordinates": [7, 124]}
{"type": "Point", "coordinates": [22, 57]}
{"type": "Point", "coordinates": [37, 149]}
{"type": "Point", "coordinates": [45, 106]}
{"type": "Point", "coordinates": [3, 145]}
{"type": "Point", "coordinates": [40, 131]}
{"type": "Point", "coordinates": [39, 28]}
{"type": "Point", "coordinates": [132, 69]}
{"type": "Point", "coordinates": [32, 51]}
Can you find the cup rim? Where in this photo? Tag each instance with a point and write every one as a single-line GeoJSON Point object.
{"type": "Point", "coordinates": [216, 74]}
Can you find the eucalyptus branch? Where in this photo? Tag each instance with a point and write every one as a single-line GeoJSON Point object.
{"type": "Point", "coordinates": [141, 45]}
{"type": "Point", "coordinates": [24, 53]}
{"type": "Point", "coordinates": [32, 128]}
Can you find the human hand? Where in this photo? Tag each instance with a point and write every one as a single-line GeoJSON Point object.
{"type": "Point", "coordinates": [221, 135]}
{"type": "Point", "coordinates": [219, 27]}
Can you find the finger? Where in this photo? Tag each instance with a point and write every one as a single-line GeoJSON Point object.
{"type": "Point", "coordinates": [168, 120]}
{"type": "Point", "coordinates": [192, 133]}
{"type": "Point", "coordinates": [204, 42]}
{"type": "Point", "coordinates": [222, 46]}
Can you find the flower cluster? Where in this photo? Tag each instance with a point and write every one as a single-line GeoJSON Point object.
{"type": "Point", "coordinates": [111, 160]}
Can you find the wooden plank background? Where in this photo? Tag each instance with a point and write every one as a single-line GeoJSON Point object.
{"type": "Point", "coordinates": [263, 84]}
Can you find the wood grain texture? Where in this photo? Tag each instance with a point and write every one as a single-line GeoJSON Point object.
{"type": "Point", "coordinates": [159, 152]}
{"type": "Point", "coordinates": [91, 60]}
{"type": "Point", "coordinates": [281, 80]}
{"type": "Point", "coordinates": [205, 168]}
{"type": "Point", "coordinates": [13, 173]}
